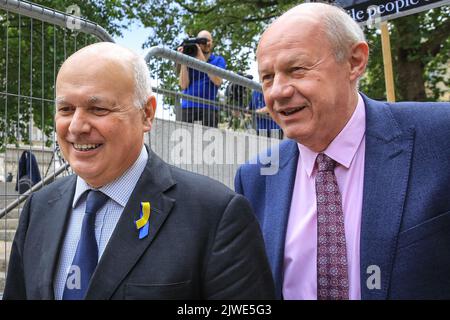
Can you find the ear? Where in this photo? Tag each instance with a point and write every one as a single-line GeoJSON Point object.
{"type": "Point", "coordinates": [359, 55]}
{"type": "Point", "coordinates": [149, 113]}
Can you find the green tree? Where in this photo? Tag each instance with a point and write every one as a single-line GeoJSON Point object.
{"type": "Point", "coordinates": [420, 46]}
{"type": "Point", "coordinates": [420, 42]}
{"type": "Point", "coordinates": [235, 26]}
{"type": "Point", "coordinates": [31, 52]}
{"type": "Point", "coordinates": [30, 55]}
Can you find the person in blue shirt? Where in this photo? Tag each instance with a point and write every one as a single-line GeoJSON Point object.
{"type": "Point", "coordinates": [264, 125]}
{"type": "Point", "coordinates": [202, 85]}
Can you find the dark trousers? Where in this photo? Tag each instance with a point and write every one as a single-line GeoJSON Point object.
{"type": "Point", "coordinates": [208, 117]}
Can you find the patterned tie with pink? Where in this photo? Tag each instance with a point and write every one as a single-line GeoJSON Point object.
{"type": "Point", "coordinates": [332, 277]}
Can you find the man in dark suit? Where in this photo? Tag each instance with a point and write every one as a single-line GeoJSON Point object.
{"type": "Point", "coordinates": [360, 206]}
{"type": "Point", "coordinates": [128, 225]}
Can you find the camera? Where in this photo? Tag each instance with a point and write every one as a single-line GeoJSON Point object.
{"type": "Point", "coordinates": [190, 45]}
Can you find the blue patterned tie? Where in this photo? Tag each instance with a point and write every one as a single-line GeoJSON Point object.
{"type": "Point", "coordinates": [86, 257]}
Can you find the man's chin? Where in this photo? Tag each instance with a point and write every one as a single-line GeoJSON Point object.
{"type": "Point", "coordinates": [85, 171]}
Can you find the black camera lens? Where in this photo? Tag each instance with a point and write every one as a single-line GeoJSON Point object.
{"type": "Point", "coordinates": [190, 45]}
{"type": "Point", "coordinates": [202, 40]}
{"type": "Point", "coordinates": [190, 49]}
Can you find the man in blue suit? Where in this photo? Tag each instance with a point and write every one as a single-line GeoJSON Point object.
{"type": "Point", "coordinates": [360, 205]}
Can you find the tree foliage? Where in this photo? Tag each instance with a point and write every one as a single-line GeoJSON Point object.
{"type": "Point", "coordinates": [30, 55]}
{"type": "Point", "coordinates": [31, 51]}
{"type": "Point", "coordinates": [420, 47]}
{"type": "Point", "coordinates": [420, 42]}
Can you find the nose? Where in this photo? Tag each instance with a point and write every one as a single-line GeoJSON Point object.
{"type": "Point", "coordinates": [281, 88]}
{"type": "Point", "coordinates": [79, 123]}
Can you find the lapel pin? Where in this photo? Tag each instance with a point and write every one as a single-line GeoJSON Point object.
{"type": "Point", "coordinates": [143, 223]}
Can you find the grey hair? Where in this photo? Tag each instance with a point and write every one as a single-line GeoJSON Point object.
{"type": "Point", "coordinates": [143, 87]}
{"type": "Point", "coordinates": [340, 29]}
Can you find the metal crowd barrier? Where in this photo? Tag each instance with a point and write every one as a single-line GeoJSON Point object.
{"type": "Point", "coordinates": [36, 40]}
{"type": "Point", "coordinates": [208, 134]}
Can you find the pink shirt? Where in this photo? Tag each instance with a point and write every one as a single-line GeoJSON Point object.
{"type": "Point", "coordinates": [300, 252]}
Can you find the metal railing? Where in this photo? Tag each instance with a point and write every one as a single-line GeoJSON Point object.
{"type": "Point", "coordinates": [54, 17]}
{"type": "Point", "coordinates": [21, 198]}
{"type": "Point", "coordinates": [15, 25]}
{"type": "Point", "coordinates": [214, 149]}
{"type": "Point", "coordinates": [34, 41]}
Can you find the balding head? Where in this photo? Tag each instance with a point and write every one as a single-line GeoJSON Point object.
{"type": "Point", "coordinates": [206, 48]}
{"type": "Point", "coordinates": [340, 29]}
{"type": "Point", "coordinates": [107, 50]}
{"type": "Point", "coordinates": [309, 62]}
{"type": "Point", "coordinates": [205, 34]}
{"type": "Point", "coordinates": [113, 61]}
{"type": "Point", "coordinates": [101, 115]}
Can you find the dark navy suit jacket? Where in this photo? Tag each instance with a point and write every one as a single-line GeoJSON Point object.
{"type": "Point", "coordinates": [203, 242]}
{"type": "Point", "coordinates": [405, 228]}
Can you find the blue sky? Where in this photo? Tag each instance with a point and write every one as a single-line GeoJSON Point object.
{"type": "Point", "coordinates": [134, 37]}
{"type": "Point", "coordinates": [137, 34]}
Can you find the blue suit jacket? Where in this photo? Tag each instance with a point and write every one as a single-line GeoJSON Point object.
{"type": "Point", "coordinates": [405, 228]}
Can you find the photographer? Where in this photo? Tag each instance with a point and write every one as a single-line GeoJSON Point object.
{"type": "Point", "coordinates": [199, 84]}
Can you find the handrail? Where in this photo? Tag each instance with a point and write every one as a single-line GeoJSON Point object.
{"type": "Point", "coordinates": [209, 102]}
{"type": "Point", "coordinates": [55, 17]}
{"type": "Point", "coordinates": [164, 52]}
{"type": "Point", "coordinates": [58, 18]}
{"type": "Point", "coordinates": [61, 19]}
{"type": "Point", "coordinates": [36, 187]}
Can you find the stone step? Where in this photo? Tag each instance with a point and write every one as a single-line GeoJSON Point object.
{"type": "Point", "coordinates": [7, 235]}
{"type": "Point", "coordinates": [5, 250]}
{"type": "Point", "coordinates": [5, 246]}
{"type": "Point", "coordinates": [9, 223]}
{"type": "Point", "coordinates": [14, 214]}
{"type": "Point", "coordinates": [6, 200]}
{"type": "Point", "coordinates": [2, 283]}
{"type": "Point", "coordinates": [3, 263]}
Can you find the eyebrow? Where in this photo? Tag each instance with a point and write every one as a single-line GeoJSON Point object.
{"type": "Point", "coordinates": [293, 60]}
{"type": "Point", "coordinates": [289, 61]}
{"type": "Point", "coordinates": [95, 99]}
{"type": "Point", "coordinates": [90, 101]}
{"type": "Point", "coordinates": [60, 101]}
{"type": "Point", "coordinates": [264, 69]}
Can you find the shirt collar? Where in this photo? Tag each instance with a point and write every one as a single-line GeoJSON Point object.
{"type": "Point", "coordinates": [343, 148]}
{"type": "Point", "coordinates": [120, 189]}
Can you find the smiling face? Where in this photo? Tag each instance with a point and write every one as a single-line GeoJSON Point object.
{"type": "Point", "coordinates": [99, 129]}
{"type": "Point", "coordinates": [308, 93]}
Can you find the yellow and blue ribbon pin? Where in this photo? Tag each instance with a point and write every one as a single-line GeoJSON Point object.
{"type": "Point", "coordinates": [143, 223]}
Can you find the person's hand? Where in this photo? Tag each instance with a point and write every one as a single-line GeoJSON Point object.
{"type": "Point", "coordinates": [262, 110]}
{"type": "Point", "coordinates": [180, 50]}
{"type": "Point", "coordinates": [200, 55]}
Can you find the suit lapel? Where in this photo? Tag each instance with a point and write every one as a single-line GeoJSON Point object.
{"type": "Point", "coordinates": [386, 173]}
{"type": "Point", "coordinates": [124, 248]}
{"type": "Point", "coordinates": [279, 188]}
{"type": "Point", "coordinates": [55, 215]}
